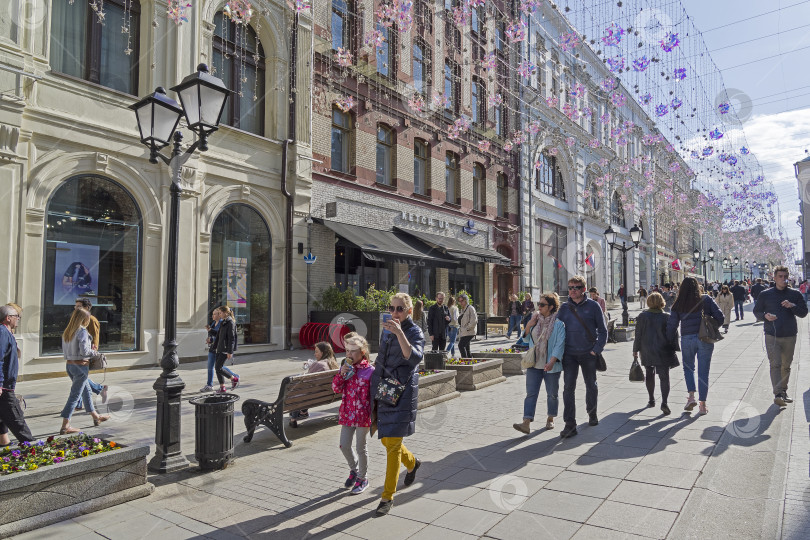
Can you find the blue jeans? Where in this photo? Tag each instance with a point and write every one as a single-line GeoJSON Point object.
{"type": "Point", "coordinates": [79, 390]}
{"type": "Point", "coordinates": [572, 363]}
{"type": "Point", "coordinates": [692, 347]}
{"type": "Point", "coordinates": [738, 308]}
{"type": "Point", "coordinates": [95, 388]}
{"type": "Point", "coordinates": [535, 378]}
{"type": "Point", "coordinates": [452, 334]}
{"type": "Point", "coordinates": [212, 359]}
{"type": "Point", "coordinates": [514, 324]}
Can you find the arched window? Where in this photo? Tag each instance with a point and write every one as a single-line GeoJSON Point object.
{"type": "Point", "coordinates": [385, 155]}
{"type": "Point", "coordinates": [479, 187]}
{"type": "Point", "coordinates": [92, 250]}
{"type": "Point", "coordinates": [239, 61]}
{"type": "Point", "coordinates": [241, 255]}
{"type": "Point", "coordinates": [549, 177]}
{"type": "Point", "coordinates": [617, 211]}
{"type": "Point", "coordinates": [99, 52]}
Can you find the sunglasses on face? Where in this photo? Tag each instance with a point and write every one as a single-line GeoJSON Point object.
{"type": "Point", "coordinates": [398, 309]}
{"type": "Point", "coordinates": [576, 287]}
{"type": "Point", "coordinates": [541, 304]}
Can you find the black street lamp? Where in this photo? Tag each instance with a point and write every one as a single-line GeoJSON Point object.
{"type": "Point", "coordinates": [203, 97]}
{"type": "Point", "coordinates": [743, 270]}
{"type": "Point", "coordinates": [696, 254]}
{"type": "Point", "coordinates": [635, 236]}
{"type": "Point", "coordinates": [728, 263]}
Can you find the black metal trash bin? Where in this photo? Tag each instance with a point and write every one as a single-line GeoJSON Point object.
{"type": "Point", "coordinates": [481, 330]}
{"type": "Point", "coordinates": [213, 430]}
{"type": "Point", "coordinates": [435, 359]}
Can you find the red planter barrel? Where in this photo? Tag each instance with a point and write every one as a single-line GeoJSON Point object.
{"type": "Point", "coordinates": [312, 333]}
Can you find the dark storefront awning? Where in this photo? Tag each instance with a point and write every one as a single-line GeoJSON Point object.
{"type": "Point", "coordinates": [380, 245]}
{"type": "Point", "coordinates": [458, 249]}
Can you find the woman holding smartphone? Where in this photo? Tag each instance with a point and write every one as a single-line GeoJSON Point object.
{"type": "Point", "coordinates": [401, 351]}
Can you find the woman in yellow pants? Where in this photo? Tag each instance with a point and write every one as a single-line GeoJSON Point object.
{"type": "Point", "coordinates": [401, 348]}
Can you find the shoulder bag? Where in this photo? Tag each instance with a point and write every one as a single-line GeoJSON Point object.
{"type": "Point", "coordinates": [601, 365]}
{"type": "Point", "coordinates": [98, 362]}
{"type": "Point", "coordinates": [529, 357]}
{"type": "Point", "coordinates": [709, 331]}
{"type": "Point", "coordinates": [389, 390]}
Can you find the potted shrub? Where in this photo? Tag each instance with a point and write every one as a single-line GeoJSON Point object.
{"type": "Point", "coordinates": [474, 374]}
{"type": "Point", "coordinates": [436, 386]}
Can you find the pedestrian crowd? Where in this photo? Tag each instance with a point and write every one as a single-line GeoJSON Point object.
{"type": "Point", "coordinates": [381, 398]}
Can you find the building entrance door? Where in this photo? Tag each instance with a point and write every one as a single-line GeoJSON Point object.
{"type": "Point", "coordinates": [504, 288]}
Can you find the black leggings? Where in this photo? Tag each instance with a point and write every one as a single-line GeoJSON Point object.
{"type": "Point", "coordinates": [221, 373]}
{"type": "Point", "coordinates": [464, 346]}
{"type": "Point", "coordinates": [663, 374]}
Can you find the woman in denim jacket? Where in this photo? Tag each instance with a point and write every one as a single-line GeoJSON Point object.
{"type": "Point", "coordinates": [401, 351]}
{"type": "Point", "coordinates": [77, 346]}
{"type": "Point", "coordinates": [548, 333]}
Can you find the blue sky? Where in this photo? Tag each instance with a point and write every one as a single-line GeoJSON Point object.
{"type": "Point", "coordinates": [778, 129]}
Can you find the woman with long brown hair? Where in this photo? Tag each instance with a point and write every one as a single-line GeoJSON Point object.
{"type": "Point", "coordinates": [687, 310]}
{"type": "Point", "coordinates": [77, 347]}
{"type": "Point", "coordinates": [225, 347]}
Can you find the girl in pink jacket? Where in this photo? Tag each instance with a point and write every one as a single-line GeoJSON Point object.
{"type": "Point", "coordinates": [354, 381]}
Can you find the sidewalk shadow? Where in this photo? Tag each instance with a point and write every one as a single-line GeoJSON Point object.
{"type": "Point", "coordinates": [806, 400]}
{"type": "Point", "coordinates": [747, 432]}
{"type": "Point", "coordinates": [635, 444]}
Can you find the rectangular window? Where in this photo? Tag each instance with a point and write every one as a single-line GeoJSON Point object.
{"type": "Point", "coordinates": [503, 196]}
{"type": "Point", "coordinates": [385, 155]}
{"type": "Point", "coordinates": [549, 178]}
{"type": "Point", "coordinates": [550, 257]}
{"type": "Point", "coordinates": [385, 66]}
{"type": "Point", "coordinates": [478, 102]}
{"type": "Point", "coordinates": [419, 67]}
{"type": "Point", "coordinates": [500, 36]}
{"type": "Point", "coordinates": [99, 52]}
{"type": "Point", "coordinates": [451, 86]}
{"type": "Point", "coordinates": [341, 34]}
{"type": "Point", "coordinates": [340, 141]}
{"type": "Point", "coordinates": [452, 178]}
{"type": "Point", "coordinates": [421, 159]}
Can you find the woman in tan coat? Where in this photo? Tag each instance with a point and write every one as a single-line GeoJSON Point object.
{"type": "Point", "coordinates": [725, 300]}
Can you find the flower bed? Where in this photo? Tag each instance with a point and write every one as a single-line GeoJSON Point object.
{"type": "Point", "coordinates": [436, 386]}
{"type": "Point", "coordinates": [511, 359]}
{"type": "Point", "coordinates": [31, 456]}
{"type": "Point", "coordinates": [475, 373]}
{"type": "Point", "coordinates": [61, 478]}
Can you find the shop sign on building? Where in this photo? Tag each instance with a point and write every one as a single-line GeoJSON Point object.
{"type": "Point", "coordinates": [424, 220]}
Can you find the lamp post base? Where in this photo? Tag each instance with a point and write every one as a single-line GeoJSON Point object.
{"type": "Point", "coordinates": [168, 457]}
{"type": "Point", "coordinates": [625, 316]}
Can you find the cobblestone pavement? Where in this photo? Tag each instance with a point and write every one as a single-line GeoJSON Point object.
{"type": "Point", "coordinates": [739, 472]}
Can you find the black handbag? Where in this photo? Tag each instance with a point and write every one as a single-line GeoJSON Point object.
{"type": "Point", "coordinates": [601, 365]}
{"type": "Point", "coordinates": [709, 331]}
{"type": "Point", "coordinates": [389, 390]}
{"type": "Point", "coordinates": [636, 372]}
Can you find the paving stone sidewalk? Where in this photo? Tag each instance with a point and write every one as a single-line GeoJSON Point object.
{"type": "Point", "coordinates": [739, 472]}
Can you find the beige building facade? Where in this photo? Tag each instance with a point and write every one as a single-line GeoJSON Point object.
{"type": "Point", "coordinates": [85, 214]}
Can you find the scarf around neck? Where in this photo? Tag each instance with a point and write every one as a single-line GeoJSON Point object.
{"type": "Point", "coordinates": [541, 332]}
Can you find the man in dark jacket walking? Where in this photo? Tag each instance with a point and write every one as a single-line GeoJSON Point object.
{"type": "Point", "coordinates": [11, 414]}
{"type": "Point", "coordinates": [438, 319]}
{"type": "Point", "coordinates": [756, 289]}
{"type": "Point", "coordinates": [585, 337]}
{"type": "Point", "coordinates": [739, 293]}
{"type": "Point", "coordinates": [779, 306]}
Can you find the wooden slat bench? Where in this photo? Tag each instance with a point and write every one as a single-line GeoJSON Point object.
{"type": "Point", "coordinates": [297, 392]}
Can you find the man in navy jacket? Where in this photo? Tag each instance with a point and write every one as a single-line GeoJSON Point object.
{"type": "Point", "coordinates": [11, 414]}
{"type": "Point", "coordinates": [582, 345]}
{"type": "Point", "coordinates": [739, 293]}
{"type": "Point", "coordinates": [779, 306]}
